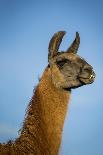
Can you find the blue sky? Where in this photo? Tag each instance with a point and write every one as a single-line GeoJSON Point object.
{"type": "Point", "coordinates": [26, 27]}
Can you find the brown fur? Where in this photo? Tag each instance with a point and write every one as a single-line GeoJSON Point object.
{"type": "Point", "coordinates": [42, 129]}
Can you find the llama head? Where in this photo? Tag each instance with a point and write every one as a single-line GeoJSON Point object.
{"type": "Point", "coordinates": [68, 70]}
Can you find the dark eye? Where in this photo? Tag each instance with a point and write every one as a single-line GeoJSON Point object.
{"type": "Point", "coordinates": [61, 63]}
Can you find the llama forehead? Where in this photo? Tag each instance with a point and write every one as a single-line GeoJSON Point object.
{"type": "Point", "coordinates": [70, 56]}
{"type": "Point", "coordinates": [63, 55]}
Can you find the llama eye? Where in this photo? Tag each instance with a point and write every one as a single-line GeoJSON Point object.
{"type": "Point", "coordinates": [61, 63]}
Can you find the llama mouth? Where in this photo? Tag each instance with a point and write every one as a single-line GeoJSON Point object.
{"type": "Point", "coordinates": [87, 80]}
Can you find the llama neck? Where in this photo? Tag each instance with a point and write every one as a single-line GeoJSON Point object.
{"type": "Point", "coordinates": [46, 115]}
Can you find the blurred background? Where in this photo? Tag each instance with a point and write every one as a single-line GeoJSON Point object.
{"type": "Point", "coordinates": [26, 27]}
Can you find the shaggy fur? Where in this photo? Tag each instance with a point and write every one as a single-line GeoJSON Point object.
{"type": "Point", "coordinates": [42, 128]}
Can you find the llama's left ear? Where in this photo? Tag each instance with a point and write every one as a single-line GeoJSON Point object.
{"type": "Point", "coordinates": [75, 45]}
{"type": "Point", "coordinates": [55, 43]}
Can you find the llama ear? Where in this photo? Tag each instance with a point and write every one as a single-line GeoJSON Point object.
{"type": "Point", "coordinates": [75, 45]}
{"type": "Point", "coordinates": [55, 43]}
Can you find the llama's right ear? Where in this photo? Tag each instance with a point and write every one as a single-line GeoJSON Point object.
{"type": "Point", "coordinates": [55, 43]}
{"type": "Point", "coordinates": [75, 45]}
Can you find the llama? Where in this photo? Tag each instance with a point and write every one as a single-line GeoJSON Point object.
{"type": "Point", "coordinates": [41, 132]}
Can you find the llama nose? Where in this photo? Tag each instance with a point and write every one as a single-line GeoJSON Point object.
{"type": "Point", "coordinates": [87, 67]}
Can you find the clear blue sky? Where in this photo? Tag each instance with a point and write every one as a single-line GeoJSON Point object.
{"type": "Point", "coordinates": [26, 27]}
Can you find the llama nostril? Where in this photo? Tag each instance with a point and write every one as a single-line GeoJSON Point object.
{"type": "Point", "coordinates": [86, 69]}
